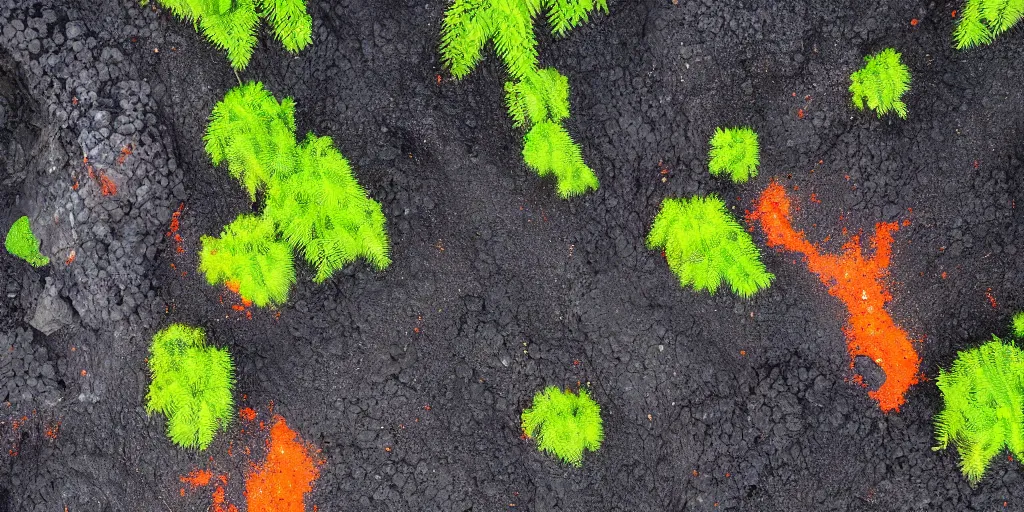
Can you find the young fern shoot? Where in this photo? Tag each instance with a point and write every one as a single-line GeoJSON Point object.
{"type": "Point", "coordinates": [191, 385]}
{"type": "Point", "coordinates": [705, 245]}
{"type": "Point", "coordinates": [984, 406]}
{"type": "Point", "coordinates": [537, 99]}
{"type": "Point", "coordinates": [735, 151]}
{"type": "Point", "coordinates": [881, 84]}
{"type": "Point", "coordinates": [981, 21]}
{"type": "Point", "coordinates": [565, 424]}
{"type": "Point", "coordinates": [231, 25]}
{"type": "Point", "coordinates": [249, 256]}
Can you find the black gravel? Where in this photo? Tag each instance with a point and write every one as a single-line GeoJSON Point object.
{"type": "Point", "coordinates": [411, 381]}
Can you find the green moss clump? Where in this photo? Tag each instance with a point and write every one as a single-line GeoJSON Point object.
{"type": "Point", "coordinates": [22, 242]}
{"type": "Point", "coordinates": [705, 245]}
{"type": "Point", "coordinates": [881, 83]}
{"type": "Point", "coordinates": [191, 385]}
{"type": "Point", "coordinates": [564, 423]}
{"type": "Point", "coordinates": [735, 151]}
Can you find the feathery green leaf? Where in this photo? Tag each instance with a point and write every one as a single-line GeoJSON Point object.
{"type": "Point", "coordinates": [548, 149]}
{"type": "Point", "coordinates": [469, 24]}
{"type": "Point", "coordinates": [231, 24]}
{"type": "Point", "coordinates": [984, 405]}
{"type": "Point", "coordinates": [735, 151]}
{"type": "Point", "coordinates": [881, 83]}
{"type": "Point", "coordinates": [22, 242]}
{"type": "Point", "coordinates": [564, 423]}
{"type": "Point", "coordinates": [981, 21]}
{"type": "Point", "coordinates": [191, 385]}
{"type": "Point", "coordinates": [249, 254]}
{"type": "Point", "coordinates": [322, 211]}
{"type": "Point", "coordinates": [705, 245]}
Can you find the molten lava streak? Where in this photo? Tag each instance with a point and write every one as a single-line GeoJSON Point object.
{"type": "Point", "coordinates": [858, 282]}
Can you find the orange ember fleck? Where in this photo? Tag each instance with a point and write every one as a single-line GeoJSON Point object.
{"type": "Point", "coordinates": [107, 185]}
{"type": "Point", "coordinates": [247, 414]}
{"type": "Point", "coordinates": [281, 483]}
{"type": "Point", "coordinates": [859, 283]}
{"type": "Point", "coordinates": [232, 285]}
{"type": "Point", "coordinates": [197, 478]}
{"type": "Point", "coordinates": [991, 298]}
{"type": "Point", "coordinates": [913, 22]}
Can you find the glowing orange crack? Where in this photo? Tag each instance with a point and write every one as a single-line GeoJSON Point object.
{"type": "Point", "coordinates": [858, 282]}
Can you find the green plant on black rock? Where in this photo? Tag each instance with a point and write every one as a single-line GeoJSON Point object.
{"type": "Point", "coordinates": [704, 244]}
{"type": "Point", "coordinates": [191, 385]}
{"type": "Point", "coordinates": [881, 83]}
{"type": "Point", "coordinates": [321, 210]}
{"type": "Point", "coordinates": [313, 202]}
{"type": "Point", "coordinates": [470, 24]}
{"type": "Point", "coordinates": [983, 394]}
{"type": "Point", "coordinates": [22, 242]}
{"type": "Point", "coordinates": [982, 20]}
{"type": "Point", "coordinates": [255, 134]}
{"type": "Point", "coordinates": [232, 24]}
{"type": "Point", "coordinates": [249, 256]}
{"type": "Point", "coordinates": [564, 423]}
{"type": "Point", "coordinates": [735, 151]}
{"type": "Point", "coordinates": [539, 102]}
{"type": "Point", "coordinates": [537, 99]}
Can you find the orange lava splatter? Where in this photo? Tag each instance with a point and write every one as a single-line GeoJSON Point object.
{"type": "Point", "coordinates": [858, 282]}
{"type": "Point", "coordinates": [247, 414]}
{"type": "Point", "coordinates": [914, 22]}
{"type": "Point", "coordinates": [198, 478]}
{"type": "Point", "coordinates": [281, 483]}
{"type": "Point", "coordinates": [107, 185]}
{"type": "Point", "coordinates": [991, 298]}
{"type": "Point", "coordinates": [52, 430]}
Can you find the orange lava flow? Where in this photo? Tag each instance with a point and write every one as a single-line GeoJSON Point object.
{"type": "Point", "coordinates": [198, 478]}
{"type": "Point", "coordinates": [858, 282]}
{"type": "Point", "coordinates": [280, 484]}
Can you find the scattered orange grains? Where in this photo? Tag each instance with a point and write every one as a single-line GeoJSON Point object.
{"type": "Point", "coordinates": [247, 414]}
{"type": "Point", "coordinates": [281, 483]}
{"type": "Point", "coordinates": [858, 282]}
{"type": "Point", "coordinates": [198, 478]}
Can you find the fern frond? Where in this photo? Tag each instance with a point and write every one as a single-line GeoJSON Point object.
{"type": "Point", "coordinates": [1018, 326]}
{"type": "Point", "coordinates": [466, 28]}
{"type": "Point", "coordinates": [565, 424]}
{"type": "Point", "coordinates": [255, 134]}
{"type": "Point", "coordinates": [233, 31]}
{"type": "Point", "coordinates": [548, 149]}
{"type": "Point", "coordinates": [881, 83]}
{"type": "Point", "coordinates": [22, 242]}
{"type": "Point", "coordinates": [292, 25]}
{"type": "Point", "coordinates": [564, 15]}
{"type": "Point", "coordinates": [249, 254]}
{"type": "Point", "coordinates": [191, 384]}
{"type": "Point", "coordinates": [322, 211]}
{"type": "Point", "coordinates": [735, 151]}
{"type": "Point", "coordinates": [541, 95]}
{"type": "Point", "coordinates": [704, 245]}
{"type": "Point", "coordinates": [983, 412]}
{"type": "Point", "coordinates": [514, 40]}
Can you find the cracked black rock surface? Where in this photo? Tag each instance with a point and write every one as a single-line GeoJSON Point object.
{"type": "Point", "coordinates": [411, 381]}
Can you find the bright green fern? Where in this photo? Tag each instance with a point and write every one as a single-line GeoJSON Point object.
{"type": "Point", "coordinates": [735, 151]}
{"type": "Point", "coordinates": [470, 24]}
{"type": "Point", "coordinates": [539, 102]}
{"type": "Point", "coordinates": [321, 210]}
{"type": "Point", "coordinates": [249, 256]}
{"type": "Point", "coordinates": [255, 134]}
{"type": "Point", "coordinates": [313, 202]}
{"type": "Point", "coordinates": [704, 244]}
{"type": "Point", "coordinates": [231, 25]}
{"type": "Point", "coordinates": [1018, 326]}
{"type": "Point", "coordinates": [191, 385]}
{"type": "Point", "coordinates": [984, 406]}
{"type": "Point", "coordinates": [21, 242]}
{"type": "Point", "coordinates": [881, 83]}
{"type": "Point", "coordinates": [982, 20]}
{"type": "Point", "coordinates": [537, 99]}
{"type": "Point", "coordinates": [564, 423]}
